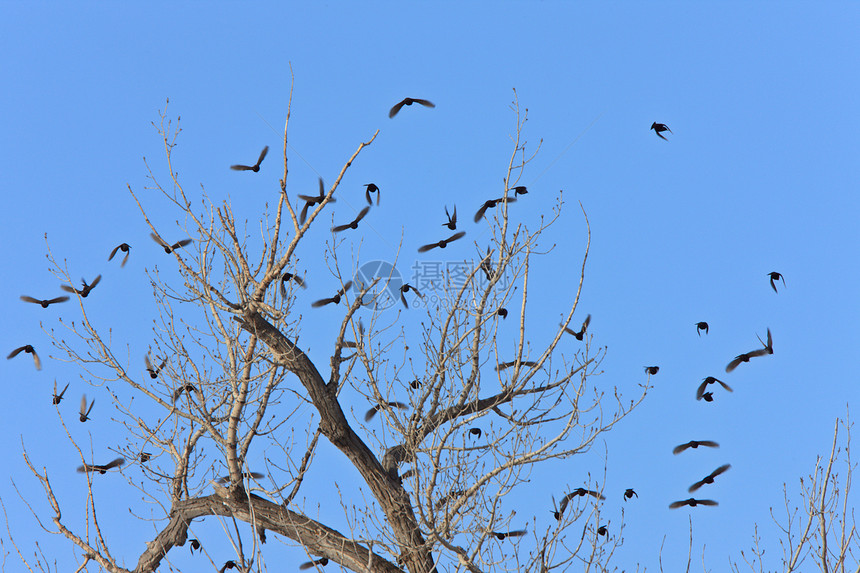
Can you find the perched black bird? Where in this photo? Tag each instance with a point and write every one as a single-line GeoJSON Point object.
{"type": "Point", "coordinates": [186, 388]}
{"type": "Point", "coordinates": [745, 357]}
{"type": "Point", "coordinates": [501, 535]}
{"type": "Point", "coordinates": [170, 248]}
{"type": "Point", "coordinates": [692, 503]}
{"type": "Point", "coordinates": [409, 101]}
{"type": "Point", "coordinates": [368, 416]}
{"type": "Point", "coordinates": [577, 492]}
{"type": "Point", "coordinates": [256, 166]}
{"type": "Point", "coordinates": [44, 303]}
{"type": "Point", "coordinates": [443, 243]}
{"type": "Point", "coordinates": [194, 545]}
{"type": "Point", "coordinates": [452, 219]}
{"type": "Point", "coordinates": [29, 350]}
{"type": "Point", "coordinates": [775, 276]}
{"type": "Point", "coordinates": [700, 391]}
{"type": "Point", "coordinates": [519, 190]}
{"type": "Point", "coordinates": [710, 477]}
{"type": "Point", "coordinates": [708, 396]}
{"type": "Point", "coordinates": [144, 457]}
{"type": "Point", "coordinates": [503, 365]}
{"type": "Point", "coordinates": [695, 444]}
{"type": "Point", "coordinates": [581, 333]}
{"type": "Point", "coordinates": [245, 475]}
{"type": "Point", "coordinates": [153, 371]}
{"type": "Point", "coordinates": [660, 128]}
{"type": "Point", "coordinates": [86, 468]}
{"type": "Point", "coordinates": [602, 530]}
{"type": "Point", "coordinates": [228, 565]}
{"type": "Point", "coordinates": [311, 200]}
{"type": "Point", "coordinates": [492, 203]}
{"type": "Point", "coordinates": [651, 370]}
{"type": "Point", "coordinates": [353, 224]}
{"type": "Point", "coordinates": [629, 493]}
{"type": "Point", "coordinates": [503, 312]}
{"type": "Point", "coordinates": [405, 289]}
{"type": "Point", "coordinates": [308, 564]}
{"type": "Point", "coordinates": [475, 432]}
{"type": "Point", "coordinates": [85, 412]}
{"type": "Point", "coordinates": [85, 290]}
{"type": "Point", "coordinates": [335, 299]}
{"type": "Point", "coordinates": [415, 384]}
{"type": "Point", "coordinates": [125, 248]}
{"type": "Point", "coordinates": [57, 398]}
{"type": "Point", "coordinates": [290, 276]}
{"type": "Point", "coordinates": [700, 326]}
{"type": "Point", "coordinates": [372, 188]}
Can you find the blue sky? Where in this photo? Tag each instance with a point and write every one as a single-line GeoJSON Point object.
{"type": "Point", "coordinates": [760, 174]}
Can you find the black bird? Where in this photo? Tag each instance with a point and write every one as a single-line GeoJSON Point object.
{"type": "Point", "coordinates": [415, 384]}
{"type": "Point", "coordinates": [710, 477]}
{"type": "Point", "coordinates": [45, 303]}
{"type": "Point", "coordinates": [308, 564]}
{"type": "Point", "coordinates": [261, 531]}
{"type": "Point", "coordinates": [409, 101]}
{"type": "Point", "coordinates": [775, 276]}
{"type": "Point", "coordinates": [186, 388]}
{"type": "Point", "coordinates": [405, 289]}
{"type": "Point", "coordinates": [581, 333]}
{"type": "Point", "coordinates": [256, 166]}
{"type": "Point", "coordinates": [695, 444]}
{"type": "Point", "coordinates": [290, 276]}
{"type": "Point", "coordinates": [503, 365]}
{"type": "Point", "coordinates": [443, 243]}
{"type": "Point", "coordinates": [651, 370]}
{"type": "Point", "coordinates": [245, 475]}
{"type": "Point", "coordinates": [228, 565]}
{"type": "Point", "coordinates": [452, 219]}
{"type": "Point", "coordinates": [475, 432]}
{"type": "Point", "coordinates": [194, 545]}
{"type": "Point", "coordinates": [503, 312]}
{"type": "Point", "coordinates": [745, 357]}
{"type": "Point", "coordinates": [153, 371]}
{"type": "Point", "coordinates": [86, 468]}
{"type": "Point", "coordinates": [660, 128]}
{"type": "Point", "coordinates": [692, 503]}
{"type": "Point", "coordinates": [577, 492]}
{"type": "Point", "coordinates": [353, 224]}
{"type": "Point", "coordinates": [335, 299]}
{"type": "Point", "coordinates": [629, 493]}
{"type": "Point", "coordinates": [708, 396]}
{"type": "Point", "coordinates": [57, 398]}
{"type": "Point", "coordinates": [85, 412]}
{"type": "Point", "coordinates": [311, 200]}
{"type": "Point", "coordinates": [368, 416]}
{"type": "Point", "coordinates": [519, 190]}
{"type": "Point", "coordinates": [492, 203]}
{"type": "Point", "coordinates": [170, 248]}
{"type": "Point", "coordinates": [602, 530]}
{"type": "Point", "coordinates": [372, 188]}
{"type": "Point", "coordinates": [85, 290]}
{"type": "Point", "coordinates": [700, 326]}
{"type": "Point", "coordinates": [501, 535]}
{"type": "Point", "coordinates": [700, 391]}
{"type": "Point", "coordinates": [487, 266]}
{"type": "Point", "coordinates": [144, 457]}
{"type": "Point", "coordinates": [29, 350]}
{"type": "Point", "coordinates": [125, 248]}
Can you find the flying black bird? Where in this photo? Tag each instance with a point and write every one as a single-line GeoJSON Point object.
{"type": "Point", "coordinates": [405, 289]}
{"type": "Point", "coordinates": [453, 494]}
{"type": "Point", "coordinates": [85, 290]}
{"type": "Point", "coordinates": [475, 432]}
{"type": "Point", "coordinates": [452, 219]}
{"type": "Point", "coordinates": [311, 200]}
{"type": "Point", "coordinates": [651, 370]}
{"type": "Point", "coordinates": [86, 468]}
{"type": "Point", "coordinates": [170, 248]}
{"type": "Point", "coordinates": [85, 412]}
{"type": "Point", "coordinates": [695, 444]}
{"type": "Point", "coordinates": [581, 333]}
{"type": "Point", "coordinates": [577, 492]}
{"type": "Point", "coordinates": [308, 564]}
{"type": "Point", "coordinates": [660, 128]}
{"type": "Point", "coordinates": [153, 371]}
{"type": "Point", "coordinates": [708, 396]}
{"type": "Point", "coordinates": [335, 299]}
{"type": "Point", "coordinates": [409, 101]}
{"type": "Point", "coordinates": [195, 544]}
{"type": "Point", "coordinates": [700, 391]}
{"type": "Point", "coordinates": [57, 398]}
{"type": "Point", "coordinates": [519, 190]}
{"type": "Point", "coordinates": [709, 478]}
{"type": "Point", "coordinates": [245, 475]}
{"type": "Point", "coordinates": [415, 384]}
{"type": "Point", "coordinates": [775, 276]}
{"type": "Point", "coordinates": [503, 312]}
{"type": "Point", "coordinates": [353, 224]}
{"type": "Point", "coordinates": [44, 303]}
{"type": "Point", "coordinates": [492, 203]}
{"type": "Point", "coordinates": [501, 535]}
{"type": "Point", "coordinates": [692, 503]}
{"type": "Point", "coordinates": [745, 357]}
{"type": "Point", "coordinates": [602, 530]}
{"type": "Point", "coordinates": [700, 326]}
{"type": "Point", "coordinates": [29, 350]}
{"type": "Point", "coordinates": [256, 166]}
{"type": "Point", "coordinates": [629, 493]}
{"type": "Point", "coordinates": [372, 188]}
{"type": "Point", "coordinates": [228, 565]}
{"type": "Point", "coordinates": [290, 276]}
{"type": "Point", "coordinates": [443, 243]}
{"type": "Point", "coordinates": [368, 416]}
{"type": "Point", "coordinates": [186, 388]}
{"type": "Point", "coordinates": [503, 365]}
{"type": "Point", "coordinates": [125, 248]}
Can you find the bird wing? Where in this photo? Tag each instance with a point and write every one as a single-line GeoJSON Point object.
{"type": "Point", "coordinates": [425, 248]}
{"type": "Point", "coordinates": [181, 244]}
{"type": "Point", "coordinates": [26, 298]}
{"type": "Point", "coordinates": [725, 386]}
{"type": "Point", "coordinates": [368, 416]}
{"type": "Point", "coordinates": [262, 155]}
{"type": "Point", "coordinates": [393, 111]}
{"type": "Point", "coordinates": [113, 252]}
{"type": "Point", "coordinates": [734, 363]}
{"type": "Point", "coordinates": [36, 360]}
{"type": "Point", "coordinates": [241, 167]}
{"type": "Point", "coordinates": [680, 448]}
{"type": "Point", "coordinates": [696, 486]}
{"type": "Point", "coordinates": [700, 391]}
{"type": "Point", "coordinates": [158, 240]}
{"type": "Point", "coordinates": [362, 214]}
{"type": "Point", "coordinates": [677, 504]}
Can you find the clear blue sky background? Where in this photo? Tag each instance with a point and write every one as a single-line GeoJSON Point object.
{"type": "Point", "coordinates": [761, 174]}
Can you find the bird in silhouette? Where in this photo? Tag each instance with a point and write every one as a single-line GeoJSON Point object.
{"type": "Point", "coordinates": [85, 290]}
{"type": "Point", "coordinates": [57, 398]}
{"type": "Point", "coordinates": [487, 265]}
{"type": "Point", "coordinates": [775, 276]}
{"type": "Point", "coordinates": [491, 203]}
{"type": "Point", "coordinates": [195, 545]}
{"type": "Point", "coordinates": [409, 101]}
{"type": "Point", "coordinates": [660, 128]}
{"type": "Point", "coordinates": [311, 200]}
{"type": "Point", "coordinates": [45, 303]}
{"type": "Point", "coordinates": [415, 384]}
{"type": "Point", "coordinates": [452, 219]}
{"type": "Point", "coordinates": [709, 478]}
{"type": "Point", "coordinates": [170, 248]}
{"type": "Point", "coordinates": [256, 166]}
{"type": "Point", "coordinates": [520, 190]}
{"type": "Point", "coordinates": [692, 503]}
{"type": "Point", "coordinates": [695, 444]}
{"type": "Point", "coordinates": [353, 224]}
{"type": "Point", "coordinates": [405, 289]}
{"type": "Point", "coordinates": [28, 349]}
{"type": "Point", "coordinates": [745, 357]}
{"type": "Point", "coordinates": [87, 468]}
{"type": "Point", "coordinates": [153, 371]}
{"type": "Point", "coordinates": [505, 365]}
{"type": "Point", "coordinates": [372, 188]}
{"type": "Point", "coordinates": [228, 565]}
{"type": "Point", "coordinates": [581, 491]}
{"type": "Point", "coordinates": [700, 391]}
{"type": "Point", "coordinates": [581, 333]}
{"type": "Point", "coordinates": [144, 457]}
{"type": "Point", "coordinates": [475, 432]}
{"type": "Point", "coordinates": [245, 475]}
{"type": "Point", "coordinates": [700, 326]}
{"type": "Point", "coordinates": [125, 248]}
{"type": "Point", "coordinates": [308, 564]}
{"type": "Point", "coordinates": [629, 493]}
{"type": "Point", "coordinates": [186, 388]}
{"type": "Point", "coordinates": [651, 370]}
{"type": "Point", "coordinates": [443, 243]}
{"type": "Point", "coordinates": [602, 530]}
{"type": "Point", "coordinates": [290, 276]}
{"type": "Point", "coordinates": [708, 396]}
{"type": "Point", "coordinates": [501, 535]}
{"type": "Point", "coordinates": [335, 299]}
{"type": "Point", "coordinates": [368, 416]}
{"type": "Point", "coordinates": [503, 312]}
{"type": "Point", "coordinates": [85, 412]}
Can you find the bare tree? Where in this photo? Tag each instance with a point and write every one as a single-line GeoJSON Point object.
{"type": "Point", "coordinates": [221, 379]}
